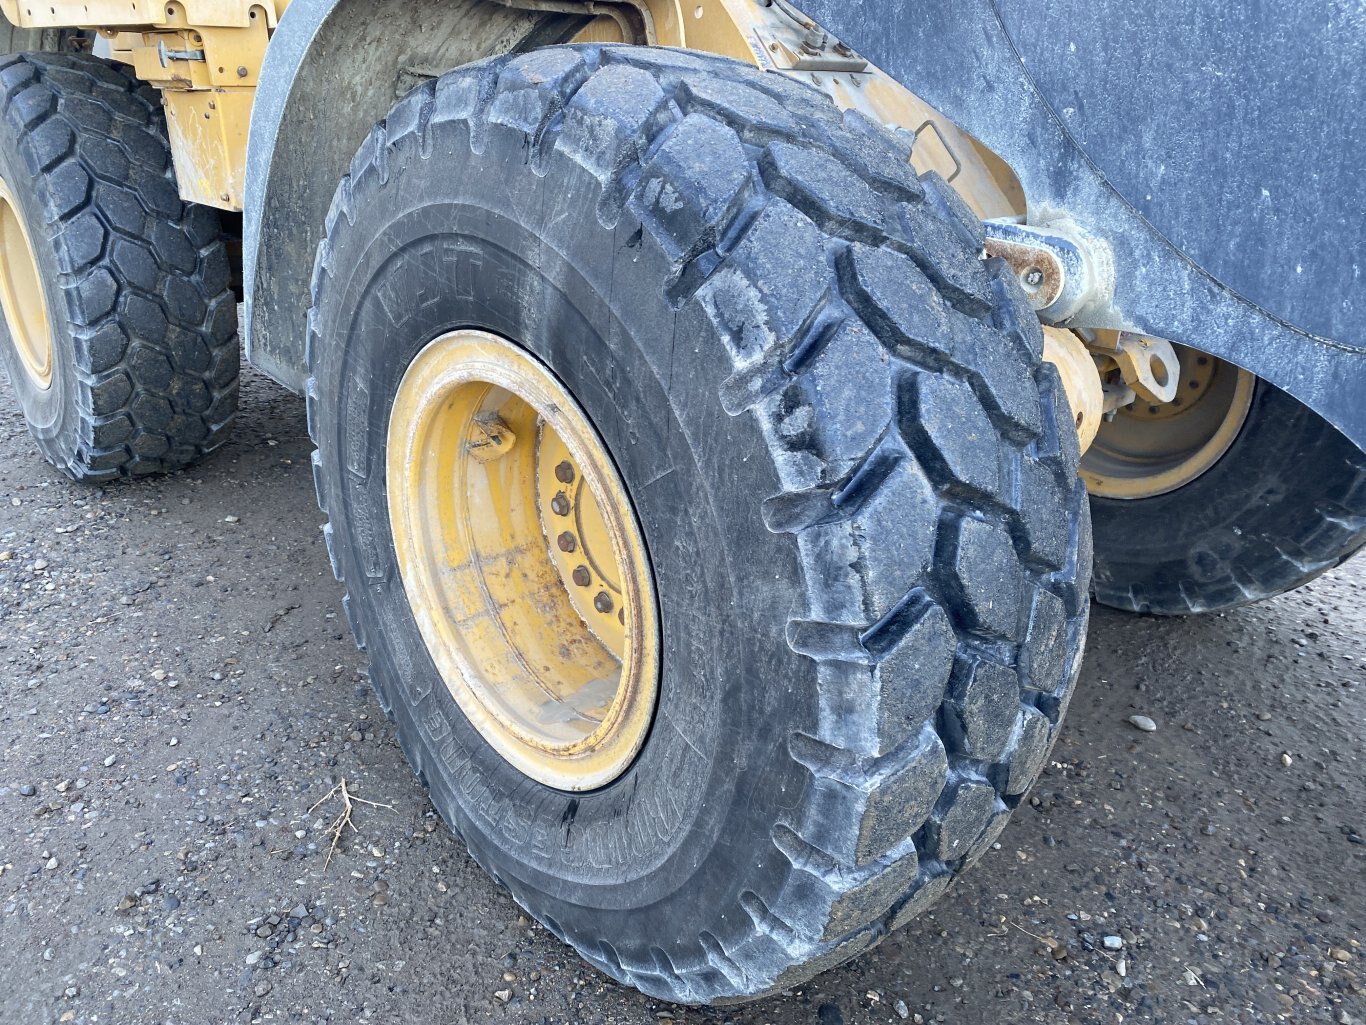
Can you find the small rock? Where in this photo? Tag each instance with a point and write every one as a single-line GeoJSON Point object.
{"type": "Point", "coordinates": [1339, 955]}
{"type": "Point", "coordinates": [1112, 942]}
{"type": "Point", "coordinates": [170, 903]}
{"type": "Point", "coordinates": [27, 790]}
{"type": "Point", "coordinates": [232, 519]}
{"type": "Point", "coordinates": [40, 565]}
{"type": "Point", "coordinates": [1142, 722]}
{"type": "Point", "coordinates": [503, 995]}
{"type": "Point", "coordinates": [1286, 760]}
{"type": "Point", "coordinates": [110, 760]}
{"type": "Point", "coordinates": [253, 957]}
{"type": "Point", "coordinates": [902, 1011]}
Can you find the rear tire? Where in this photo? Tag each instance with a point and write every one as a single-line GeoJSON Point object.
{"type": "Point", "coordinates": [854, 477]}
{"type": "Point", "coordinates": [141, 338]}
{"type": "Point", "coordinates": [1284, 504]}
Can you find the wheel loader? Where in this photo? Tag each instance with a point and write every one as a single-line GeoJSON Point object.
{"type": "Point", "coordinates": [724, 412]}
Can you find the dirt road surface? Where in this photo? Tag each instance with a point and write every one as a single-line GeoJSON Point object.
{"type": "Point", "coordinates": [178, 690]}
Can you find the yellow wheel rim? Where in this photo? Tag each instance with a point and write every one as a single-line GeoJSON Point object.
{"type": "Point", "coordinates": [522, 560]}
{"type": "Point", "coordinates": [1151, 449]}
{"type": "Point", "coordinates": [21, 294]}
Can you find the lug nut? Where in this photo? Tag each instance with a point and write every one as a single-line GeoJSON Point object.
{"type": "Point", "coordinates": [1033, 277]}
{"type": "Point", "coordinates": [581, 576]}
{"type": "Point", "coordinates": [603, 602]}
{"type": "Point", "coordinates": [567, 542]}
{"type": "Point", "coordinates": [560, 504]}
{"type": "Point", "coordinates": [564, 472]}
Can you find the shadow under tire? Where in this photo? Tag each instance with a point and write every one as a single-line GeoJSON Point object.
{"type": "Point", "coordinates": [1285, 503]}
{"type": "Point", "coordinates": [855, 478]}
{"type": "Point", "coordinates": [141, 321]}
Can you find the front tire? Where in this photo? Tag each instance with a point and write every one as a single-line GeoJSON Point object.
{"type": "Point", "coordinates": [121, 328]}
{"type": "Point", "coordinates": [855, 480]}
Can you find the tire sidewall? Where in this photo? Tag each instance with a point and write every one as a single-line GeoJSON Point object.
{"type": "Point", "coordinates": [715, 762]}
{"type": "Point", "coordinates": [48, 411]}
{"type": "Point", "coordinates": [1220, 540]}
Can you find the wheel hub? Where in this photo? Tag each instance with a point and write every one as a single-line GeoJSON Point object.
{"type": "Point", "coordinates": [1148, 448]}
{"type": "Point", "coordinates": [21, 295]}
{"type": "Point", "coordinates": [522, 560]}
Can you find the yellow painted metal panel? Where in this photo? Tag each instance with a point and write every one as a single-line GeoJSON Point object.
{"type": "Point", "coordinates": [208, 131]}
{"type": "Point", "coordinates": [134, 13]}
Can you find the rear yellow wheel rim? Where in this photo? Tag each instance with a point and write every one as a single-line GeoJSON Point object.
{"type": "Point", "coordinates": [522, 560]}
{"type": "Point", "coordinates": [1150, 449]}
{"type": "Point", "coordinates": [21, 294]}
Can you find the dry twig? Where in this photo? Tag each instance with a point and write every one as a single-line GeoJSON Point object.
{"type": "Point", "coordinates": [343, 819]}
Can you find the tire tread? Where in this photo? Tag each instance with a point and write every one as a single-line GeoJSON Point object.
{"type": "Point", "coordinates": [144, 275]}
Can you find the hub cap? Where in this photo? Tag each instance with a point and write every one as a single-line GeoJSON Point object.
{"type": "Point", "coordinates": [21, 295]}
{"type": "Point", "coordinates": [1151, 449]}
{"type": "Point", "coordinates": [522, 560]}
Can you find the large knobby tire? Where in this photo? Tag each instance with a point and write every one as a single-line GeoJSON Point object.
{"type": "Point", "coordinates": [855, 479]}
{"type": "Point", "coordinates": [1284, 504]}
{"type": "Point", "coordinates": [135, 281]}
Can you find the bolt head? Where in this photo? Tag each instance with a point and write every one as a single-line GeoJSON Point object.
{"type": "Point", "coordinates": [581, 576]}
{"type": "Point", "coordinates": [564, 472]}
{"type": "Point", "coordinates": [567, 542]}
{"type": "Point", "coordinates": [1033, 277]}
{"type": "Point", "coordinates": [560, 504]}
{"type": "Point", "coordinates": [603, 602]}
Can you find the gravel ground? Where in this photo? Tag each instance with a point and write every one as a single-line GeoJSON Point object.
{"type": "Point", "coordinates": [178, 690]}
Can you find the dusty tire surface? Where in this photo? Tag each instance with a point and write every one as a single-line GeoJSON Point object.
{"type": "Point", "coordinates": [1285, 504]}
{"type": "Point", "coordinates": [855, 477]}
{"type": "Point", "coordinates": [136, 281]}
